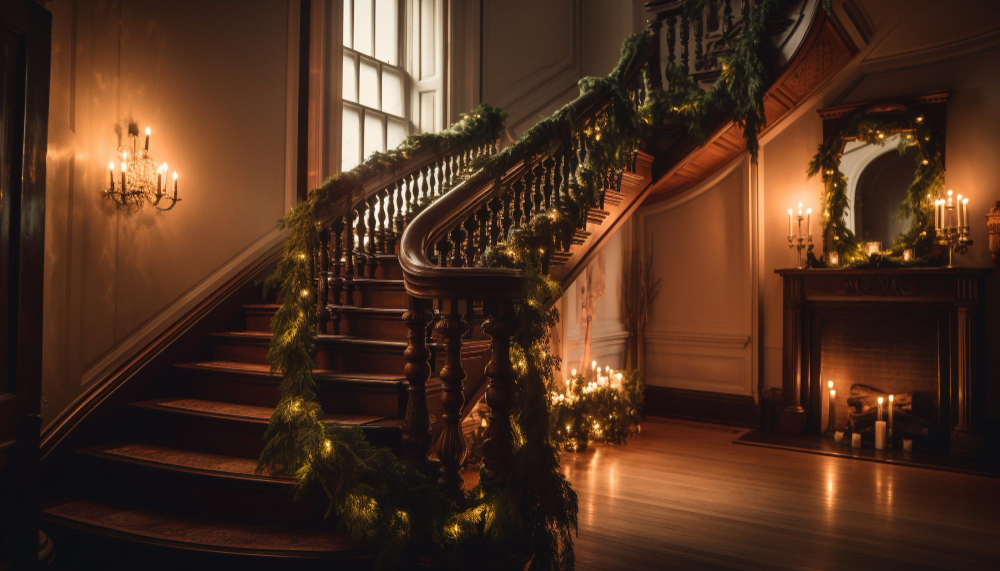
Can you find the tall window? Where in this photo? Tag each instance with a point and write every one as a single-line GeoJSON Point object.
{"type": "Point", "coordinates": [375, 110]}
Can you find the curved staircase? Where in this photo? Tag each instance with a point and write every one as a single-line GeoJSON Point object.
{"type": "Point", "coordinates": [167, 479]}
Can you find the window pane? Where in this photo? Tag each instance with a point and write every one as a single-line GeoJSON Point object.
{"type": "Point", "coordinates": [350, 79]}
{"type": "Point", "coordinates": [392, 92]}
{"type": "Point", "coordinates": [348, 38]}
{"type": "Point", "coordinates": [396, 134]}
{"type": "Point", "coordinates": [385, 31]}
{"type": "Point", "coordinates": [368, 96]}
{"type": "Point", "coordinates": [351, 132]}
{"type": "Point", "coordinates": [373, 133]}
{"type": "Point", "coordinates": [363, 26]}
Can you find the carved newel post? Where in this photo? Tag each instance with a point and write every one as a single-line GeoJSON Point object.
{"type": "Point", "coordinates": [416, 422]}
{"type": "Point", "coordinates": [499, 445]}
{"type": "Point", "coordinates": [451, 448]}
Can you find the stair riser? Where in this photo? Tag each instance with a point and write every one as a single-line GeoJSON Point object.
{"type": "Point", "coordinates": [351, 358]}
{"type": "Point", "coordinates": [378, 399]}
{"type": "Point", "coordinates": [370, 326]}
{"type": "Point", "coordinates": [212, 497]}
{"type": "Point", "coordinates": [219, 435]}
{"type": "Point", "coordinates": [258, 320]}
{"type": "Point", "coordinates": [378, 295]}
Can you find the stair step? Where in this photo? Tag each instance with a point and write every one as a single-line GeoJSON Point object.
{"type": "Point", "coordinates": [368, 322]}
{"type": "Point", "coordinates": [579, 237]}
{"type": "Point", "coordinates": [231, 428]}
{"type": "Point", "coordinates": [337, 352]}
{"type": "Point", "coordinates": [257, 316]}
{"type": "Point", "coordinates": [386, 268]}
{"type": "Point", "coordinates": [370, 292]}
{"type": "Point", "coordinates": [116, 536]}
{"type": "Point", "coordinates": [597, 216]}
{"type": "Point", "coordinates": [380, 394]}
{"type": "Point", "coordinates": [194, 482]}
{"type": "Point", "coordinates": [613, 197]}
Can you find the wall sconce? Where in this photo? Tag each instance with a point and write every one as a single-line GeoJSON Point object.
{"type": "Point", "coordinates": [140, 179]}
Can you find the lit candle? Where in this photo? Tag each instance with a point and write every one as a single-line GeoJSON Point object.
{"type": "Point", "coordinates": [856, 440]}
{"type": "Point", "coordinates": [799, 220]}
{"type": "Point", "coordinates": [572, 373]}
{"type": "Point", "coordinates": [834, 259]}
{"type": "Point", "coordinates": [159, 181]}
{"type": "Point", "coordinates": [965, 211]}
{"type": "Point", "coordinates": [147, 139]}
{"type": "Point", "coordinates": [880, 435]}
{"type": "Point", "coordinates": [111, 173]}
{"type": "Point", "coordinates": [958, 210]}
{"type": "Point", "coordinates": [789, 222]}
{"type": "Point", "coordinates": [175, 185]}
{"type": "Point", "coordinates": [880, 401]}
{"type": "Point", "coordinates": [809, 225]}
{"type": "Point", "coordinates": [907, 255]}
{"type": "Point", "coordinates": [123, 176]}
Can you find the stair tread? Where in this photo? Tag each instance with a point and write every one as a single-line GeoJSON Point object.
{"type": "Point", "coordinates": [247, 412]}
{"type": "Point", "coordinates": [181, 530]}
{"type": "Point", "coordinates": [320, 338]}
{"type": "Point", "coordinates": [264, 370]}
{"type": "Point", "coordinates": [377, 310]}
{"type": "Point", "coordinates": [188, 460]}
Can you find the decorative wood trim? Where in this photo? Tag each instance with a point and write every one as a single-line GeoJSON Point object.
{"type": "Point", "coordinates": [710, 339]}
{"type": "Point", "coordinates": [739, 410]}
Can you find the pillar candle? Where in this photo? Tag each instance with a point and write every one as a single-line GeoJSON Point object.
{"type": "Point", "coordinates": [809, 225]}
{"type": "Point", "coordinates": [965, 211]}
{"type": "Point", "coordinates": [147, 139]}
{"type": "Point", "coordinates": [880, 435]}
{"type": "Point", "coordinates": [889, 429]}
{"type": "Point", "coordinates": [123, 176]}
{"type": "Point", "coordinates": [175, 187]}
{"type": "Point", "coordinates": [856, 440]}
{"type": "Point", "coordinates": [111, 174]}
{"type": "Point", "coordinates": [838, 436]}
{"type": "Point", "coordinates": [789, 222]}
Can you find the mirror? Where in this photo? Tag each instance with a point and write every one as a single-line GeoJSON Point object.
{"type": "Point", "coordinates": [877, 181]}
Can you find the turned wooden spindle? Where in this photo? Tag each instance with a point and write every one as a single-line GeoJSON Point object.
{"type": "Point", "coordinates": [371, 217]}
{"type": "Point", "coordinates": [685, 36]}
{"type": "Point", "coordinates": [416, 441]}
{"type": "Point", "coordinates": [536, 201]}
{"type": "Point", "coordinates": [349, 242]}
{"type": "Point", "coordinates": [699, 50]}
{"type": "Point", "coordinates": [457, 239]}
{"type": "Point", "coordinates": [451, 447]}
{"type": "Point", "coordinates": [499, 445]}
{"type": "Point", "coordinates": [549, 186]}
{"type": "Point", "coordinates": [336, 279]}
{"type": "Point", "coordinates": [529, 199]}
{"type": "Point", "coordinates": [671, 38]}
{"type": "Point", "coordinates": [359, 245]}
{"type": "Point", "coordinates": [471, 225]}
{"type": "Point", "coordinates": [557, 179]}
{"type": "Point", "coordinates": [483, 217]}
{"type": "Point", "coordinates": [517, 190]}
{"type": "Point", "coordinates": [496, 220]}
{"type": "Point", "coordinates": [727, 17]}
{"type": "Point", "coordinates": [654, 77]}
{"type": "Point", "coordinates": [745, 10]}
{"type": "Point", "coordinates": [322, 281]}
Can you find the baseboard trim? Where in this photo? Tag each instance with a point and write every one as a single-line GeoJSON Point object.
{"type": "Point", "coordinates": [738, 410]}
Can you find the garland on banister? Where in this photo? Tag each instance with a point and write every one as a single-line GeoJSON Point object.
{"type": "Point", "coordinates": [605, 406]}
{"type": "Point", "coordinates": [928, 180]}
{"type": "Point", "coordinates": [376, 498]}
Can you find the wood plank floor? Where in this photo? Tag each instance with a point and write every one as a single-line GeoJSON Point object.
{"type": "Point", "coordinates": [682, 496]}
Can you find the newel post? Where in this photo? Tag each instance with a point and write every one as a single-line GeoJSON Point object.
{"type": "Point", "coordinates": [499, 445]}
{"type": "Point", "coordinates": [451, 448]}
{"type": "Point", "coordinates": [416, 422]}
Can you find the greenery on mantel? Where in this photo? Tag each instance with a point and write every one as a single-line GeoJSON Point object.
{"type": "Point", "coordinates": [928, 180]}
{"type": "Point", "coordinates": [375, 496]}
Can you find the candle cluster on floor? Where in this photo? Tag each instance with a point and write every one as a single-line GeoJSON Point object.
{"type": "Point", "coordinates": [603, 405]}
{"type": "Point", "coordinates": [883, 424]}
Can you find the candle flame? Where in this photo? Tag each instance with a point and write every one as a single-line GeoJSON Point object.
{"type": "Point", "coordinates": [829, 384]}
{"type": "Point", "coordinates": [148, 131]}
{"type": "Point", "coordinates": [890, 398]}
{"type": "Point", "coordinates": [175, 175]}
{"type": "Point", "coordinates": [809, 210]}
{"type": "Point", "coordinates": [123, 167]}
{"type": "Point", "coordinates": [965, 201]}
{"type": "Point", "coordinates": [111, 166]}
{"type": "Point", "coordinates": [880, 400]}
{"type": "Point", "coordinates": [950, 191]}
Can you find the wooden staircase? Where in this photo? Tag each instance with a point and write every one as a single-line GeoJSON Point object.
{"type": "Point", "coordinates": [169, 481]}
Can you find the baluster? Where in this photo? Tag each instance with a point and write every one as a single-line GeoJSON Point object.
{"type": "Point", "coordinates": [391, 219]}
{"type": "Point", "coordinates": [470, 243]}
{"type": "Point", "coordinates": [712, 16]}
{"type": "Point", "coordinates": [349, 243]}
{"type": "Point", "coordinates": [457, 237]}
{"type": "Point", "coordinates": [517, 188]}
{"type": "Point", "coordinates": [671, 38]}
{"type": "Point", "coordinates": [451, 444]}
{"type": "Point", "coordinates": [685, 36]}
{"type": "Point", "coordinates": [745, 11]}
{"type": "Point", "coordinates": [322, 282]}
{"type": "Point", "coordinates": [699, 51]}
{"type": "Point", "coordinates": [436, 178]}
{"type": "Point", "coordinates": [420, 198]}
{"type": "Point", "coordinates": [443, 247]}
{"type": "Point", "coordinates": [499, 446]}
{"type": "Point", "coordinates": [373, 236]}
{"type": "Point", "coordinates": [360, 258]}
{"type": "Point", "coordinates": [557, 177]}
{"type": "Point", "coordinates": [496, 219]}
{"type": "Point", "coordinates": [483, 216]}
{"type": "Point", "coordinates": [411, 197]}
{"type": "Point", "coordinates": [416, 428]}
{"type": "Point", "coordinates": [336, 281]}
{"type": "Point", "coordinates": [539, 170]}
{"type": "Point", "coordinates": [549, 171]}
{"type": "Point", "coordinates": [727, 17]}
{"type": "Point", "coordinates": [654, 77]}
{"type": "Point", "coordinates": [529, 205]}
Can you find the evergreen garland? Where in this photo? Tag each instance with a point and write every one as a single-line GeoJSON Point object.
{"type": "Point", "coordinates": [608, 409]}
{"type": "Point", "coordinates": [919, 201]}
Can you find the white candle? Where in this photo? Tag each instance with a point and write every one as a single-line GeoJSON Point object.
{"type": "Point", "coordinates": [907, 445]}
{"type": "Point", "coordinates": [175, 186]}
{"type": "Point", "coordinates": [838, 436]}
{"type": "Point", "coordinates": [965, 211]}
{"type": "Point", "coordinates": [123, 176]}
{"type": "Point", "coordinates": [111, 174]}
{"type": "Point", "coordinates": [789, 222]}
{"type": "Point", "coordinates": [856, 440]}
{"type": "Point", "coordinates": [890, 419]}
{"type": "Point", "coordinates": [809, 224]}
{"type": "Point", "coordinates": [880, 435]}
{"type": "Point", "coordinates": [880, 401]}
{"type": "Point", "coordinates": [958, 210]}
{"type": "Point", "coordinates": [147, 138]}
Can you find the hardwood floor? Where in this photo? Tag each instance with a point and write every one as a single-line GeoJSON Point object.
{"type": "Point", "coordinates": [680, 495]}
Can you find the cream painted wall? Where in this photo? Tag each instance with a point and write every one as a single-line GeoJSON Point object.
{"type": "Point", "coordinates": [214, 88]}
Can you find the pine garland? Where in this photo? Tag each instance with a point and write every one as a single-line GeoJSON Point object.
{"type": "Point", "coordinates": [927, 183]}
{"type": "Point", "coordinates": [608, 409]}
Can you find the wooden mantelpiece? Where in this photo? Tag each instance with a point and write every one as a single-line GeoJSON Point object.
{"type": "Point", "coordinates": [954, 294]}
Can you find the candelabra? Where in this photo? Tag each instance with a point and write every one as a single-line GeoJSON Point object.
{"type": "Point", "coordinates": [951, 222]}
{"type": "Point", "coordinates": [798, 240]}
{"type": "Point", "coordinates": [141, 180]}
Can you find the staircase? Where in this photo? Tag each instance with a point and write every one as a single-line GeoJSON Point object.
{"type": "Point", "coordinates": [168, 480]}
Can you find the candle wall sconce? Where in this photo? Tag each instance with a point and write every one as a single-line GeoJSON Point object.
{"type": "Point", "coordinates": [139, 180]}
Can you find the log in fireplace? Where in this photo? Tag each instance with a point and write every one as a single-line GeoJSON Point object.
{"type": "Point", "coordinates": [902, 331]}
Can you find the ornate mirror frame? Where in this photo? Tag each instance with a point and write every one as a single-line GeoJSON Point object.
{"type": "Point", "coordinates": [920, 120]}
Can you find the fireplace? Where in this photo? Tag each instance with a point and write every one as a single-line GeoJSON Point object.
{"type": "Point", "coordinates": [907, 331]}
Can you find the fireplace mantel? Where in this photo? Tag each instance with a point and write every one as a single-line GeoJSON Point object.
{"type": "Point", "coordinates": [959, 292]}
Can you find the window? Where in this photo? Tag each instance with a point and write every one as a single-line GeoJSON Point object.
{"type": "Point", "coordinates": [374, 83]}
